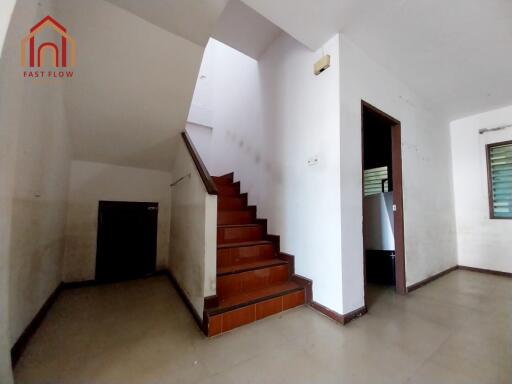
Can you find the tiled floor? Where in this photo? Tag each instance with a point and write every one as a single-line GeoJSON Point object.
{"type": "Point", "coordinates": [457, 329]}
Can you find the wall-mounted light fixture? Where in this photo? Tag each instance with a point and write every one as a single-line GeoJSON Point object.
{"type": "Point", "coordinates": [322, 64]}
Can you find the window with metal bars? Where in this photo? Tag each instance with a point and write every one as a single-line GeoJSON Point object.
{"type": "Point", "coordinates": [499, 162]}
{"type": "Point", "coordinates": [376, 181]}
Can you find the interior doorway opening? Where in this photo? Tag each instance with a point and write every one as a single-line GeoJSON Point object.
{"type": "Point", "coordinates": [127, 240]}
{"type": "Point", "coordinates": [383, 230]}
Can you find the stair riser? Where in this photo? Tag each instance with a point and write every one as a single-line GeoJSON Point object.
{"type": "Point", "coordinates": [239, 234]}
{"type": "Point", "coordinates": [231, 203]}
{"type": "Point", "coordinates": [227, 321]}
{"type": "Point", "coordinates": [241, 255]}
{"type": "Point", "coordinates": [237, 283]}
{"type": "Point", "coordinates": [222, 180]}
{"type": "Point", "coordinates": [229, 190]}
{"type": "Point", "coordinates": [235, 217]}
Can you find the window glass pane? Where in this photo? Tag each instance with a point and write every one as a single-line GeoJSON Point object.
{"type": "Point", "coordinates": [500, 163]}
{"type": "Point", "coordinates": [376, 181]}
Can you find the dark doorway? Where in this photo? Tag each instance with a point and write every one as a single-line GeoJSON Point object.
{"type": "Point", "coordinates": [383, 230]}
{"type": "Point", "coordinates": [127, 234]}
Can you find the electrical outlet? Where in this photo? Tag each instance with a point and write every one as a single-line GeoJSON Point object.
{"type": "Point", "coordinates": [313, 160]}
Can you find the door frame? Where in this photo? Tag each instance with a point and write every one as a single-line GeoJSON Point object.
{"type": "Point", "coordinates": [398, 201]}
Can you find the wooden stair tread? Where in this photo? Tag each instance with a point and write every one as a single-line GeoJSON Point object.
{"type": "Point", "coordinates": [243, 244]}
{"type": "Point", "coordinates": [254, 296]}
{"type": "Point", "coordinates": [251, 266]}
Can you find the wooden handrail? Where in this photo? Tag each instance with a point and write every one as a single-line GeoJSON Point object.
{"type": "Point", "coordinates": [203, 172]}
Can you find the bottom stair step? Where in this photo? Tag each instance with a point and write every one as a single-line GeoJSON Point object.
{"type": "Point", "coordinates": [250, 306]}
{"type": "Point", "coordinates": [252, 297]}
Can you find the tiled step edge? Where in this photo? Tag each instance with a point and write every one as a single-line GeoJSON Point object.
{"type": "Point", "coordinates": [221, 309]}
{"type": "Point", "coordinates": [226, 321]}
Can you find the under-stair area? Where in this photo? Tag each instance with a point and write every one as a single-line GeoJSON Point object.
{"type": "Point", "coordinates": [254, 279]}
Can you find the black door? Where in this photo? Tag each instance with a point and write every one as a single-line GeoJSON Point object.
{"type": "Point", "coordinates": [126, 246]}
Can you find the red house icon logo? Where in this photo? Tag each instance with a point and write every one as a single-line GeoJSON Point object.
{"type": "Point", "coordinates": [61, 57]}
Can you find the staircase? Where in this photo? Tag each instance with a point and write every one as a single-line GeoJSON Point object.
{"type": "Point", "coordinates": [254, 279]}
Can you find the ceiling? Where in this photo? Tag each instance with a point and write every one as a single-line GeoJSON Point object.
{"type": "Point", "coordinates": [138, 62]}
{"type": "Point", "coordinates": [193, 20]}
{"type": "Point", "coordinates": [312, 22]}
{"type": "Point", "coordinates": [245, 30]}
{"type": "Point", "coordinates": [133, 83]}
{"type": "Point", "coordinates": [229, 21]}
{"type": "Point", "coordinates": [455, 53]}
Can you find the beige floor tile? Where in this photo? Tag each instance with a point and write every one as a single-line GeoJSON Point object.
{"type": "Point", "coordinates": [458, 329]}
{"type": "Point", "coordinates": [432, 373]}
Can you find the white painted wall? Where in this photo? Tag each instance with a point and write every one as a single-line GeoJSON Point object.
{"type": "Point", "coordinates": [201, 111]}
{"type": "Point", "coordinates": [34, 169]}
{"type": "Point", "coordinates": [193, 236]}
{"type": "Point", "coordinates": [39, 203]}
{"type": "Point", "coordinates": [7, 141]}
{"type": "Point", "coordinates": [482, 242]}
{"type": "Point", "coordinates": [201, 135]}
{"type": "Point", "coordinates": [91, 182]}
{"type": "Point", "coordinates": [268, 118]}
{"type": "Point", "coordinates": [231, 90]}
{"type": "Point", "coordinates": [6, 9]}
{"type": "Point", "coordinates": [302, 119]}
{"type": "Point", "coordinates": [430, 237]}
